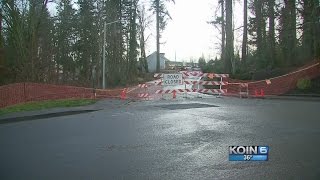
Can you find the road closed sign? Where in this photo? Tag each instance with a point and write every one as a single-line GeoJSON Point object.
{"type": "Point", "coordinates": [172, 79]}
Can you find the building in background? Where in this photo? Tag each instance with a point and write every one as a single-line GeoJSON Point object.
{"type": "Point", "coordinates": [191, 64]}
{"type": "Point", "coordinates": [173, 65]}
{"type": "Point", "coordinates": [152, 62]}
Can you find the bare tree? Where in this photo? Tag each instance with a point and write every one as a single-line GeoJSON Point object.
{"type": "Point", "coordinates": [144, 22]}
{"type": "Point", "coordinates": [162, 16]}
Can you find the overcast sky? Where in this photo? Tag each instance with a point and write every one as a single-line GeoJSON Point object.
{"type": "Point", "coordinates": [188, 35]}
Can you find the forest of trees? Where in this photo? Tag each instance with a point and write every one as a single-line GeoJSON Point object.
{"type": "Point", "coordinates": [66, 47]}
{"type": "Point", "coordinates": [276, 34]}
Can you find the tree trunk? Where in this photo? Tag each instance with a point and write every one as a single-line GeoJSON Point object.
{"type": "Point", "coordinates": [293, 32]}
{"type": "Point", "coordinates": [271, 35]}
{"type": "Point", "coordinates": [143, 53]}
{"type": "Point", "coordinates": [142, 26]}
{"type": "Point", "coordinates": [229, 37]}
{"type": "Point", "coordinates": [258, 12]}
{"type": "Point", "coordinates": [133, 43]}
{"type": "Point", "coordinates": [223, 32]}
{"type": "Point", "coordinates": [245, 31]}
{"type": "Point", "coordinates": [158, 35]}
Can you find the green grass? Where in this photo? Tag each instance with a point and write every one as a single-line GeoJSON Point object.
{"type": "Point", "coordinates": [31, 106]}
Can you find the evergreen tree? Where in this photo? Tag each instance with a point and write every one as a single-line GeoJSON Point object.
{"type": "Point", "coordinates": [288, 40]}
{"type": "Point", "coordinates": [87, 43]}
{"type": "Point", "coordinates": [65, 40]}
{"type": "Point", "coordinates": [311, 29]}
{"type": "Point", "coordinates": [46, 49]}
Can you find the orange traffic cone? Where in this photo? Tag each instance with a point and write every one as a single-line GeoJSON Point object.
{"type": "Point", "coordinates": [123, 94]}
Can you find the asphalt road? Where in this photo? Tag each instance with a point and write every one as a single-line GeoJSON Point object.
{"type": "Point", "coordinates": [168, 139]}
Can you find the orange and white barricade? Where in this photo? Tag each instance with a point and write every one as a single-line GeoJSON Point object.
{"type": "Point", "coordinates": [145, 94]}
{"type": "Point", "coordinates": [187, 80]}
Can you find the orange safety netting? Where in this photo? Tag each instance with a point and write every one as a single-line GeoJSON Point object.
{"type": "Point", "coordinates": [274, 86]}
{"type": "Point", "coordinates": [25, 92]}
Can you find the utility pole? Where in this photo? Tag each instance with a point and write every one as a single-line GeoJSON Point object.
{"type": "Point", "coordinates": [158, 35]}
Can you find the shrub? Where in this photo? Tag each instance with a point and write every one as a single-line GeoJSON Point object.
{"type": "Point", "coordinates": [304, 84]}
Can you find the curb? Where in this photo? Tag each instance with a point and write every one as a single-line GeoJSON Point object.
{"type": "Point", "coordinates": [302, 95]}
{"type": "Point", "coordinates": [313, 97]}
{"type": "Point", "coordinates": [300, 98]}
{"type": "Point", "coordinates": [42, 116]}
{"type": "Point", "coordinates": [59, 111]}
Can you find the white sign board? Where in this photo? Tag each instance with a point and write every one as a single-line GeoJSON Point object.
{"type": "Point", "coordinates": [172, 79]}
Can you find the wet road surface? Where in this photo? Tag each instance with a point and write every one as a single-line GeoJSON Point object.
{"type": "Point", "coordinates": [166, 139]}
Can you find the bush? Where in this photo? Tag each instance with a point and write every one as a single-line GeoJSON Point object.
{"type": "Point", "coordinates": [304, 84]}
